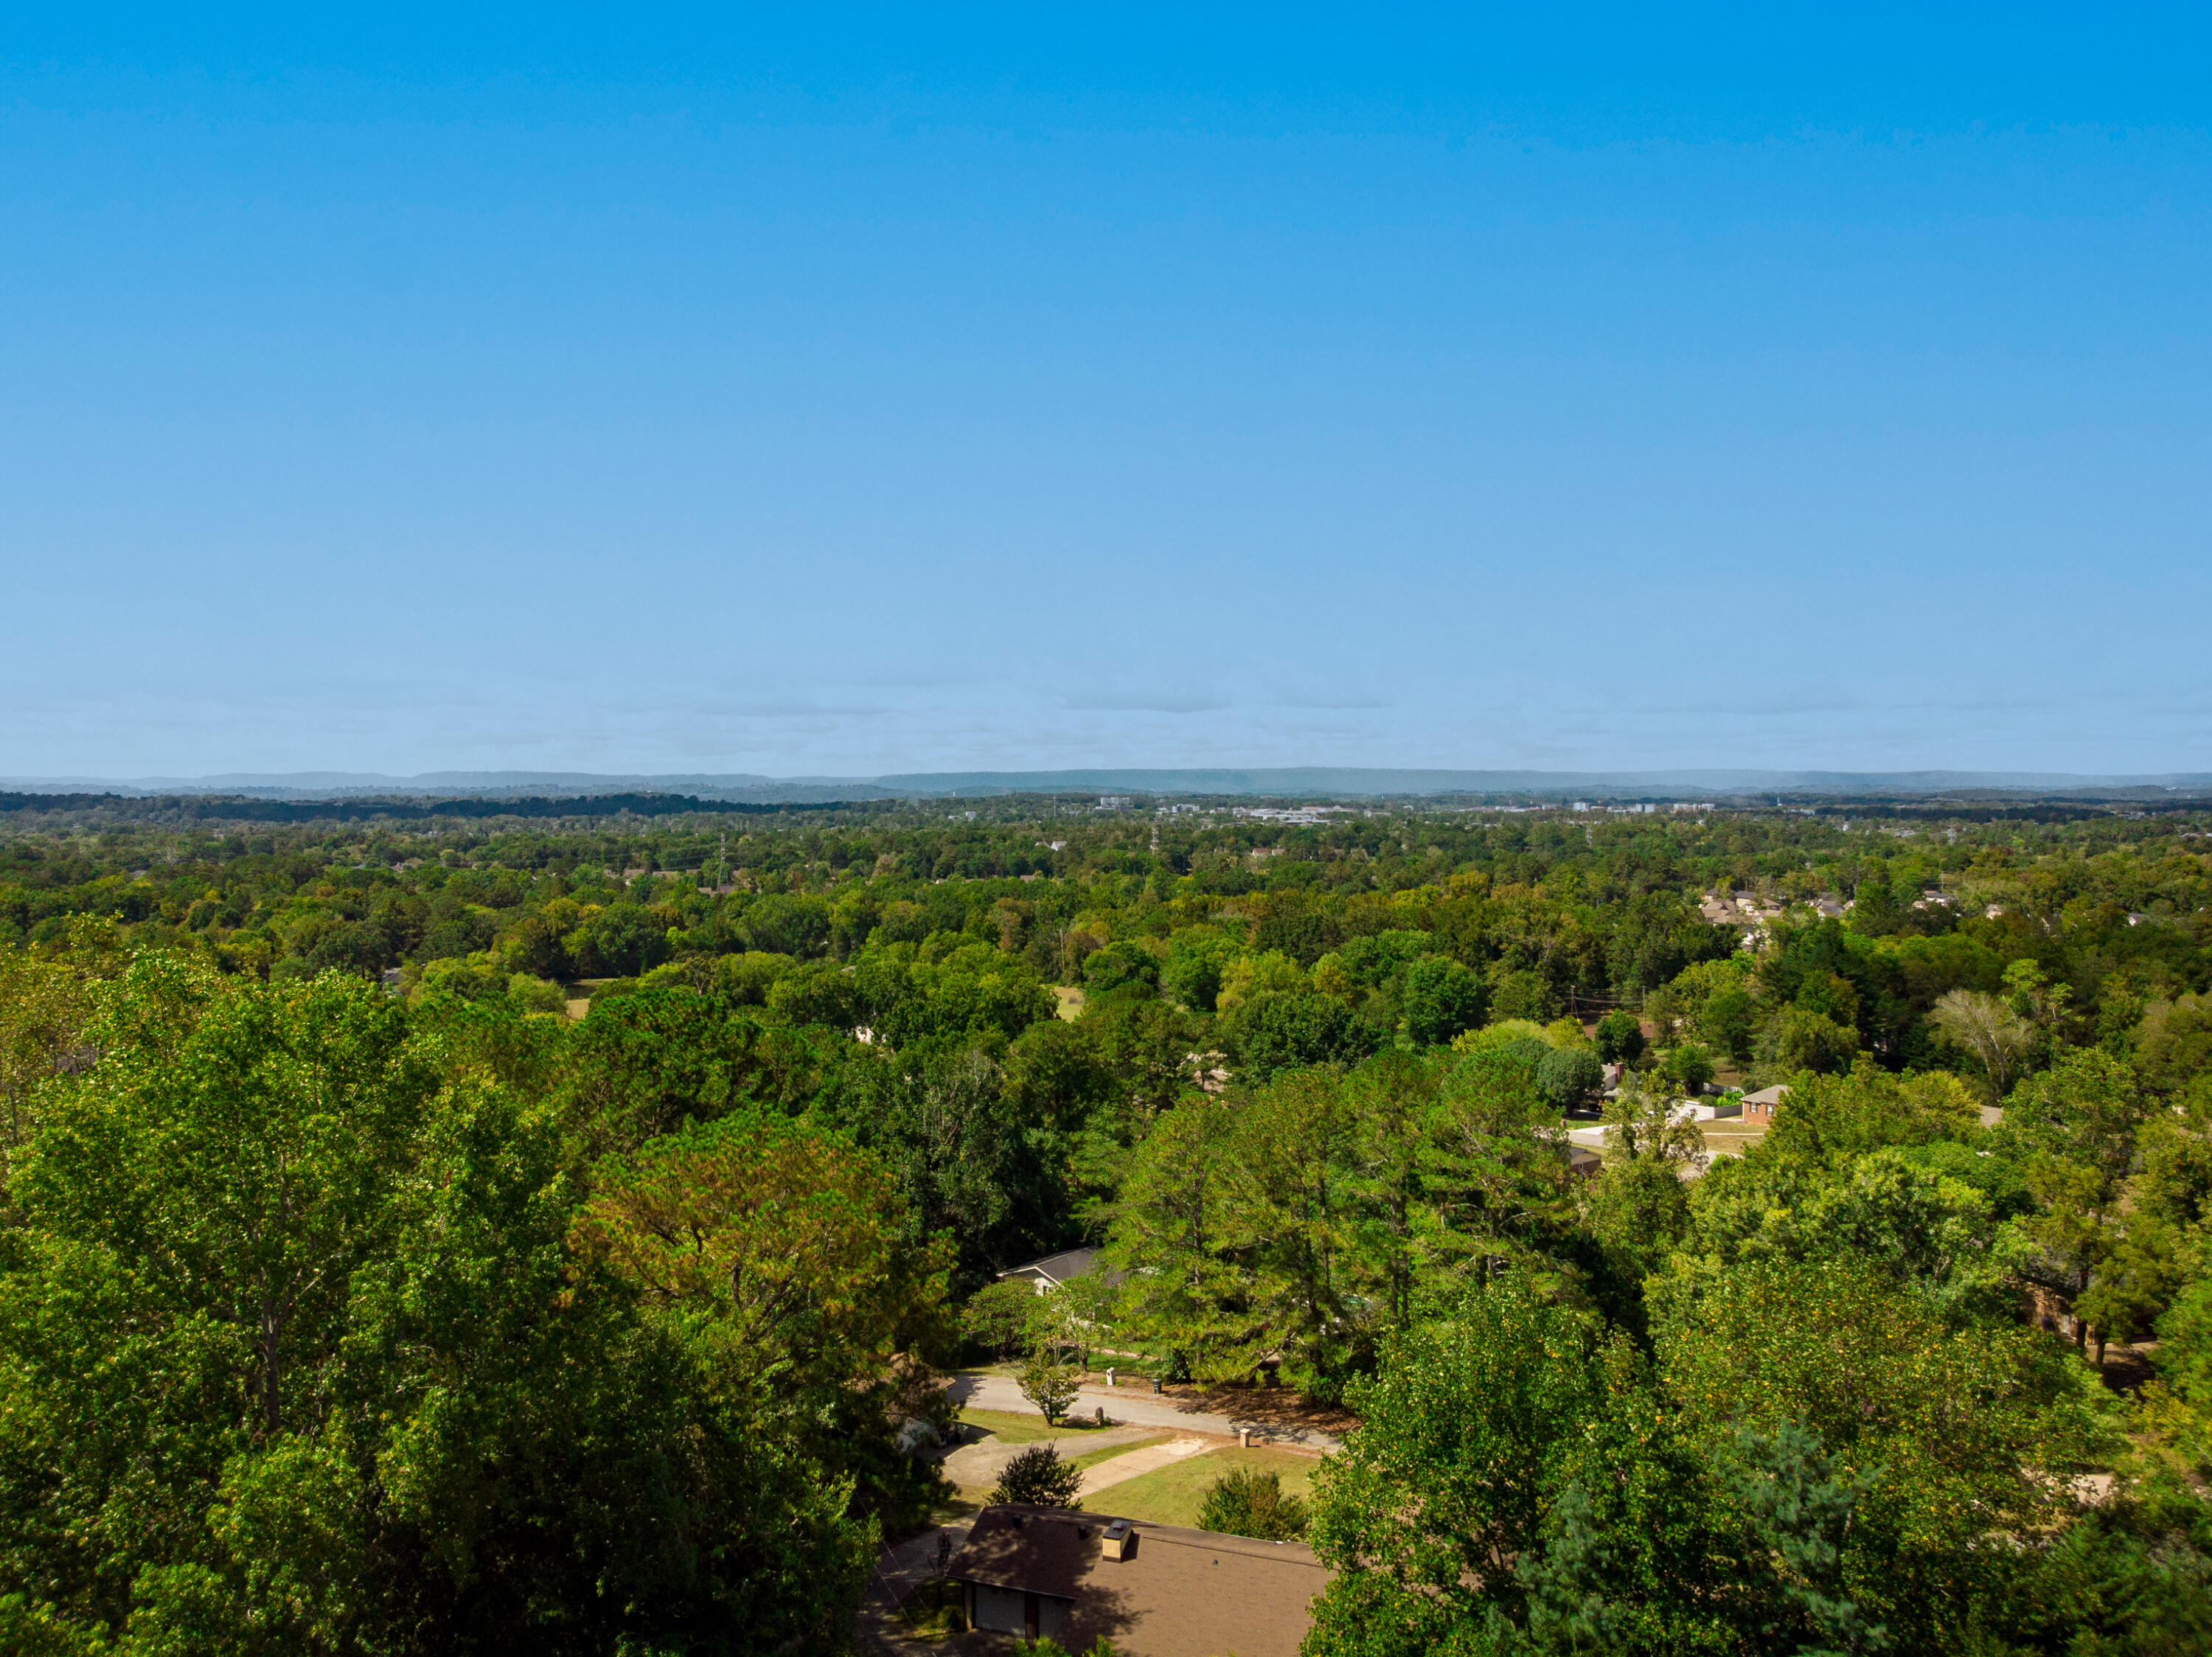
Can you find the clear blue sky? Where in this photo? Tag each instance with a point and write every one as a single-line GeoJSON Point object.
{"type": "Point", "coordinates": [895, 390]}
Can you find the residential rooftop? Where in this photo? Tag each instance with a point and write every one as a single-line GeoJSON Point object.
{"type": "Point", "coordinates": [1173, 1593]}
{"type": "Point", "coordinates": [1054, 1270]}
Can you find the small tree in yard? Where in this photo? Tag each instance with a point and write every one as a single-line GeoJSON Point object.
{"type": "Point", "coordinates": [1050, 1386]}
{"type": "Point", "coordinates": [1245, 1502]}
{"type": "Point", "coordinates": [1038, 1477]}
{"type": "Point", "coordinates": [1691, 1066]}
{"type": "Point", "coordinates": [1642, 1121]}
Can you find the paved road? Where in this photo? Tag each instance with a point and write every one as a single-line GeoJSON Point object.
{"type": "Point", "coordinates": [1126, 1405]}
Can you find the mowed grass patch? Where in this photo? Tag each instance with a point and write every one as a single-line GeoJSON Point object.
{"type": "Point", "coordinates": [1173, 1495]}
{"type": "Point", "coordinates": [965, 1502]}
{"type": "Point", "coordinates": [1725, 1140]}
{"type": "Point", "coordinates": [1092, 1457]}
{"type": "Point", "coordinates": [1010, 1428]}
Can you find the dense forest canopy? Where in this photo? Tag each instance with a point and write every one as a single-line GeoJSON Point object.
{"type": "Point", "coordinates": [386, 1262]}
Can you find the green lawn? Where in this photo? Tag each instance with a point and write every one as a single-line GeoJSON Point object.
{"type": "Point", "coordinates": [1009, 1428]}
{"type": "Point", "coordinates": [1092, 1457]}
{"type": "Point", "coordinates": [1173, 1495]}
{"type": "Point", "coordinates": [1725, 1139]}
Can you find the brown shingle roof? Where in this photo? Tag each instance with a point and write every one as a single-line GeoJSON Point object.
{"type": "Point", "coordinates": [1179, 1593]}
{"type": "Point", "coordinates": [1031, 1550]}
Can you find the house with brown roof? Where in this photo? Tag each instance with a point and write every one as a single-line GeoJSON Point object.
{"type": "Point", "coordinates": [1758, 1108]}
{"type": "Point", "coordinates": [1153, 1590]}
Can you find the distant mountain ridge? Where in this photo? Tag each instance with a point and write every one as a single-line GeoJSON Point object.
{"type": "Point", "coordinates": [1308, 781]}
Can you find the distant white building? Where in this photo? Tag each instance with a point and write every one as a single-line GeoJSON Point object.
{"type": "Point", "coordinates": [1307, 815]}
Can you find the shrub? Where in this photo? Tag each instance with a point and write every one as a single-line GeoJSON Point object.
{"type": "Point", "coordinates": [1246, 1501]}
{"type": "Point", "coordinates": [1038, 1477]}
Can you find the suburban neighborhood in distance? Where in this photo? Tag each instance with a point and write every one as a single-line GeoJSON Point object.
{"type": "Point", "coordinates": [1168, 1221]}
